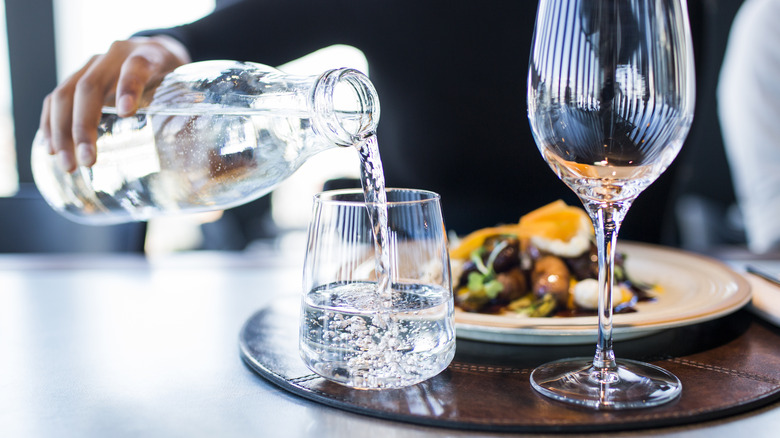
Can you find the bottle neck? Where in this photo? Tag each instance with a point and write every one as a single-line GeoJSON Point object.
{"type": "Point", "coordinates": [345, 106]}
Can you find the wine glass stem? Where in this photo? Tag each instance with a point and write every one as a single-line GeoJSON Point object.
{"type": "Point", "coordinates": [607, 217]}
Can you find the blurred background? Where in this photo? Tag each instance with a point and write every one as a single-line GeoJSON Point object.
{"type": "Point", "coordinates": [63, 34]}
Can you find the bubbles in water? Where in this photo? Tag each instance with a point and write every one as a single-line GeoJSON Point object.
{"type": "Point", "coordinates": [350, 338]}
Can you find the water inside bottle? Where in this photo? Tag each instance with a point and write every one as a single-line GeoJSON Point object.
{"type": "Point", "coordinates": [158, 163]}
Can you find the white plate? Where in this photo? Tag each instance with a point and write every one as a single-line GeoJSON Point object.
{"type": "Point", "coordinates": [693, 289]}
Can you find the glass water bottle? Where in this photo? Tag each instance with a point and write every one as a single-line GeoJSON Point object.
{"type": "Point", "coordinates": [217, 134]}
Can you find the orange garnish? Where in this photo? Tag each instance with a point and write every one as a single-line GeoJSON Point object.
{"type": "Point", "coordinates": [554, 221]}
{"type": "Point", "coordinates": [474, 240]}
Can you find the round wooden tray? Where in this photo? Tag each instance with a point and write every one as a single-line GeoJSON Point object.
{"type": "Point", "coordinates": [726, 366]}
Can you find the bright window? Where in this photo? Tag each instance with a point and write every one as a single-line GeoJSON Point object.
{"type": "Point", "coordinates": [87, 27]}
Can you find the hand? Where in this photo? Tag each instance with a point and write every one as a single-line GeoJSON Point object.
{"type": "Point", "coordinates": [71, 113]}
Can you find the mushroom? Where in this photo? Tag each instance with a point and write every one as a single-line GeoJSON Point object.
{"type": "Point", "coordinates": [551, 276]}
{"type": "Point", "coordinates": [514, 285]}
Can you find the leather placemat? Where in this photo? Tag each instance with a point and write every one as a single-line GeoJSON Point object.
{"type": "Point", "coordinates": [726, 366]}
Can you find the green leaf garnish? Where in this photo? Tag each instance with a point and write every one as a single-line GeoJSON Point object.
{"type": "Point", "coordinates": [475, 281]}
{"type": "Point", "coordinates": [492, 288]}
{"type": "Point", "coordinates": [479, 284]}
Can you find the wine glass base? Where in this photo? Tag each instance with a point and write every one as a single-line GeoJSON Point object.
{"type": "Point", "coordinates": [632, 385]}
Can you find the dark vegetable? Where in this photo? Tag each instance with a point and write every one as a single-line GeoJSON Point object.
{"type": "Point", "coordinates": [514, 285]}
{"type": "Point", "coordinates": [586, 265]}
{"type": "Point", "coordinates": [551, 276]}
{"type": "Point", "coordinates": [508, 257]}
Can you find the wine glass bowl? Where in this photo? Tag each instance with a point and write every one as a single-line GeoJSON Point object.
{"type": "Point", "coordinates": [610, 102]}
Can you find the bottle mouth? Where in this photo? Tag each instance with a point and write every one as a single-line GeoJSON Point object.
{"type": "Point", "coordinates": [345, 106]}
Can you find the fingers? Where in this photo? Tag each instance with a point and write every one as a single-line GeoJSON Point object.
{"type": "Point", "coordinates": [151, 59]}
{"type": "Point", "coordinates": [57, 117]}
{"type": "Point", "coordinates": [88, 98]}
{"type": "Point", "coordinates": [71, 113]}
{"type": "Point", "coordinates": [60, 127]}
{"type": "Point", "coordinates": [98, 82]}
{"type": "Point", "coordinates": [135, 74]}
{"type": "Point", "coordinates": [43, 126]}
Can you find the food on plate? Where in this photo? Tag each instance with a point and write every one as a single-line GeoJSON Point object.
{"type": "Point", "coordinates": [544, 265]}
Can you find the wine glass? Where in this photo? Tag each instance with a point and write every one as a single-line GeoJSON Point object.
{"type": "Point", "coordinates": [610, 101]}
{"type": "Point", "coordinates": [353, 332]}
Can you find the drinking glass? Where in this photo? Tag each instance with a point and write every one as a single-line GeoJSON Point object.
{"type": "Point", "coordinates": [610, 101]}
{"type": "Point", "coordinates": [351, 332]}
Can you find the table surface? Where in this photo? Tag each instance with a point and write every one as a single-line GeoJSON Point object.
{"type": "Point", "coordinates": [124, 346]}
